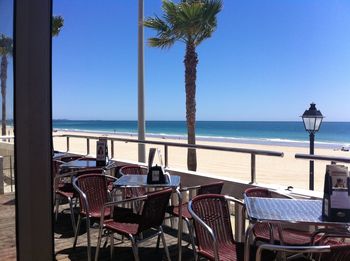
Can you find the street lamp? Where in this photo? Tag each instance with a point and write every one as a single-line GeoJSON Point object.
{"type": "Point", "coordinates": [312, 119]}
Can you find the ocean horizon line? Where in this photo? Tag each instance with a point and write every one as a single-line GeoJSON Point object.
{"type": "Point", "coordinates": [293, 121]}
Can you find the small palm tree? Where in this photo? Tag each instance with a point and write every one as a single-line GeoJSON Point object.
{"type": "Point", "coordinates": [6, 49]}
{"type": "Point", "coordinates": [57, 24]}
{"type": "Point", "coordinates": [191, 22]}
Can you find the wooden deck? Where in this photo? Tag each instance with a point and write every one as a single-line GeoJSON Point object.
{"type": "Point", "coordinates": [64, 239]}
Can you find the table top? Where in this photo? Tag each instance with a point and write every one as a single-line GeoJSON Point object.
{"type": "Point", "coordinates": [58, 154]}
{"type": "Point", "coordinates": [80, 164]}
{"type": "Point", "coordinates": [286, 210]}
{"type": "Point", "coordinates": [141, 181]}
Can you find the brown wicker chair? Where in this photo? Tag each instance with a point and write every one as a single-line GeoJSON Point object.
{"type": "Point", "coordinates": [129, 224]}
{"type": "Point", "coordinates": [93, 194]}
{"type": "Point", "coordinates": [133, 170]}
{"type": "Point", "coordinates": [210, 188]}
{"type": "Point", "coordinates": [63, 187]}
{"type": "Point", "coordinates": [262, 231]}
{"type": "Point", "coordinates": [329, 252]}
{"type": "Point", "coordinates": [212, 222]}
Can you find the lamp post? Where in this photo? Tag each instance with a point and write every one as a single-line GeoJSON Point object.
{"type": "Point", "coordinates": [312, 119]}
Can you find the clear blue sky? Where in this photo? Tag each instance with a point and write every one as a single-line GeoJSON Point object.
{"type": "Point", "coordinates": [267, 61]}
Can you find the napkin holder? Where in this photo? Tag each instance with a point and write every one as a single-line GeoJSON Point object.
{"type": "Point", "coordinates": [336, 199]}
{"type": "Point", "coordinates": [156, 174]}
{"type": "Point", "coordinates": [101, 152]}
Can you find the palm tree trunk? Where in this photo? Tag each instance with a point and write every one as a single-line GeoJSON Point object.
{"type": "Point", "coordinates": [191, 62]}
{"type": "Point", "coordinates": [3, 76]}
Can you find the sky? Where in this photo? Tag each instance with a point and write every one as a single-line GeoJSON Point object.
{"type": "Point", "coordinates": [267, 60]}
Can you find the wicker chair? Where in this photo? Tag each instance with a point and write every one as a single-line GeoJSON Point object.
{"type": "Point", "coordinates": [63, 187]}
{"type": "Point", "coordinates": [131, 225]}
{"type": "Point", "coordinates": [211, 188]}
{"type": "Point", "coordinates": [331, 252]}
{"type": "Point", "coordinates": [262, 231]}
{"type": "Point", "coordinates": [133, 170]}
{"type": "Point", "coordinates": [93, 194]}
{"type": "Point", "coordinates": [212, 222]}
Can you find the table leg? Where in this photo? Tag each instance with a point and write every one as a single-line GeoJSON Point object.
{"type": "Point", "coordinates": [248, 236]}
{"type": "Point", "coordinates": [179, 234]}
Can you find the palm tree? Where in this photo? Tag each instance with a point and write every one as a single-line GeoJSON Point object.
{"type": "Point", "coordinates": [6, 45]}
{"type": "Point", "coordinates": [57, 24]}
{"type": "Point", "coordinates": [191, 22]}
{"type": "Point", "coordinates": [6, 49]}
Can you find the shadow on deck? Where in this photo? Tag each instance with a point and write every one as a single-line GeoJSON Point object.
{"type": "Point", "coordinates": [64, 237]}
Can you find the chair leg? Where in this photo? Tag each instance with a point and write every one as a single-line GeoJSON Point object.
{"type": "Point", "coordinates": [88, 238]}
{"type": "Point", "coordinates": [72, 213]}
{"type": "Point", "coordinates": [98, 243]}
{"type": "Point", "coordinates": [112, 244]}
{"type": "Point", "coordinates": [158, 242]}
{"type": "Point", "coordinates": [190, 231]}
{"type": "Point", "coordinates": [77, 232]}
{"type": "Point", "coordinates": [134, 248]}
{"type": "Point", "coordinates": [164, 243]}
{"type": "Point", "coordinates": [57, 204]}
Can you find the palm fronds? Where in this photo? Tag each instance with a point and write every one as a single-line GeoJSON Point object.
{"type": "Point", "coordinates": [190, 21]}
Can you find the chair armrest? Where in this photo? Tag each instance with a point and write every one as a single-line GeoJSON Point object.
{"type": "Point", "coordinates": [235, 200]}
{"type": "Point", "coordinates": [339, 232]}
{"type": "Point", "coordinates": [291, 249]}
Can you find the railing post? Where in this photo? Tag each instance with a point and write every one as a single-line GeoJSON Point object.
{"type": "Point", "coordinates": [112, 149]}
{"type": "Point", "coordinates": [87, 146]}
{"type": "Point", "coordinates": [67, 144]}
{"type": "Point", "coordinates": [2, 175]}
{"type": "Point", "coordinates": [11, 174]}
{"type": "Point", "coordinates": [166, 156]}
{"type": "Point", "coordinates": [252, 169]}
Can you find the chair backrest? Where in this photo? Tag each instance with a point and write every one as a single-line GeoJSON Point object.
{"type": "Point", "coordinates": [257, 192]}
{"type": "Point", "coordinates": [89, 171]}
{"type": "Point", "coordinates": [338, 240]}
{"type": "Point", "coordinates": [93, 188]}
{"type": "Point", "coordinates": [264, 193]}
{"type": "Point", "coordinates": [211, 188]}
{"type": "Point", "coordinates": [213, 210]}
{"type": "Point", "coordinates": [133, 169]}
{"type": "Point", "coordinates": [154, 208]}
{"type": "Point", "coordinates": [338, 253]}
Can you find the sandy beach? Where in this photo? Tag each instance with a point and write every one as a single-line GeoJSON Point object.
{"type": "Point", "coordinates": [285, 171]}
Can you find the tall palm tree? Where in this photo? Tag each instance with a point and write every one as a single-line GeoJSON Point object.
{"type": "Point", "coordinates": [6, 49]}
{"type": "Point", "coordinates": [190, 22]}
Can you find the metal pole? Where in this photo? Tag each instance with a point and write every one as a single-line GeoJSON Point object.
{"type": "Point", "coordinates": [141, 102]}
{"type": "Point", "coordinates": [252, 169]}
{"type": "Point", "coordinates": [67, 144]}
{"type": "Point", "coordinates": [2, 190]}
{"type": "Point", "coordinates": [166, 156]}
{"type": "Point", "coordinates": [311, 178]}
{"type": "Point", "coordinates": [87, 146]}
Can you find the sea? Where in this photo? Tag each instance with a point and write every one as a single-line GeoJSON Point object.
{"type": "Point", "coordinates": [334, 135]}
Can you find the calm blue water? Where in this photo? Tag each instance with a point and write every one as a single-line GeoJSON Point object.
{"type": "Point", "coordinates": [330, 132]}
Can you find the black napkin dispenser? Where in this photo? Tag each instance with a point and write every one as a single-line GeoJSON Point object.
{"type": "Point", "coordinates": [156, 175]}
{"type": "Point", "coordinates": [336, 199]}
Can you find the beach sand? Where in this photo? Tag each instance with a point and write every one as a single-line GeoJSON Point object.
{"type": "Point", "coordinates": [285, 171]}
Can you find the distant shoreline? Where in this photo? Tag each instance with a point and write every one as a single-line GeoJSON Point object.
{"type": "Point", "coordinates": [258, 141]}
